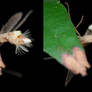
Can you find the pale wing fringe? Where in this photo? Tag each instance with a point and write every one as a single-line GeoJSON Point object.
{"type": "Point", "coordinates": [27, 34]}
{"type": "Point", "coordinates": [12, 22]}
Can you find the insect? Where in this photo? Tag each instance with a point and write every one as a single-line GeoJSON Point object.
{"type": "Point", "coordinates": [85, 40]}
{"type": "Point", "coordinates": [61, 41]}
{"type": "Point", "coordinates": [10, 33]}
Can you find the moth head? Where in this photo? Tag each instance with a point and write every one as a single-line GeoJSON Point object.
{"type": "Point", "coordinates": [20, 40]}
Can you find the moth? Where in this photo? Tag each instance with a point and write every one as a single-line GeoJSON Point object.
{"type": "Point", "coordinates": [10, 33]}
{"type": "Point", "coordinates": [85, 40]}
{"type": "Point", "coordinates": [60, 40]}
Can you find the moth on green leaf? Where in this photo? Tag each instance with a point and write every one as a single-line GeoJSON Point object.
{"type": "Point", "coordinates": [60, 40]}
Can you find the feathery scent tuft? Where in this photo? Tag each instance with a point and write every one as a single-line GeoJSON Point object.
{"type": "Point", "coordinates": [21, 50]}
{"type": "Point", "coordinates": [22, 43]}
{"type": "Point", "coordinates": [27, 34]}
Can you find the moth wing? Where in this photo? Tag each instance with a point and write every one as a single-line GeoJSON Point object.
{"type": "Point", "coordinates": [12, 22]}
{"type": "Point", "coordinates": [68, 77]}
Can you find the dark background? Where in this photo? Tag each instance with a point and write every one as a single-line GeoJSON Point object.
{"type": "Point", "coordinates": [27, 64]}
{"type": "Point", "coordinates": [55, 74]}
{"type": "Point", "coordinates": [37, 73]}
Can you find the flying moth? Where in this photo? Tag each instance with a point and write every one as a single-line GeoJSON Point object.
{"type": "Point", "coordinates": [10, 33]}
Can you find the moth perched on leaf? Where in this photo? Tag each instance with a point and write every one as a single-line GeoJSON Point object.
{"type": "Point", "coordinates": [60, 39]}
{"type": "Point", "coordinates": [10, 33]}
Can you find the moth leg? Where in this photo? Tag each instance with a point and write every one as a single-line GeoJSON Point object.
{"type": "Point", "coordinates": [47, 58]}
{"type": "Point", "coordinates": [79, 22]}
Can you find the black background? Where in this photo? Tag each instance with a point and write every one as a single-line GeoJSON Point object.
{"type": "Point", "coordinates": [37, 73]}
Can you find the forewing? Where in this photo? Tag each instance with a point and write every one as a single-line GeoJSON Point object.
{"type": "Point", "coordinates": [11, 23]}
{"type": "Point", "coordinates": [69, 77]}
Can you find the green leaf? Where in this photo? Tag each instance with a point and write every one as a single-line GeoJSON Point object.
{"type": "Point", "coordinates": [59, 32]}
